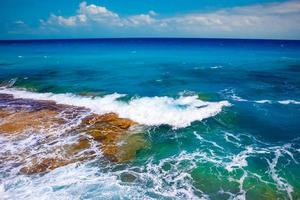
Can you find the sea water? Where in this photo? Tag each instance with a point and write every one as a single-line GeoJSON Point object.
{"type": "Point", "coordinates": [222, 116]}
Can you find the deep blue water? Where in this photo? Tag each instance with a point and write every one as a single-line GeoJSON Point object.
{"type": "Point", "coordinates": [259, 78]}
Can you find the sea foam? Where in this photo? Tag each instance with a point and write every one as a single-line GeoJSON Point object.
{"type": "Point", "coordinates": [152, 111]}
{"type": "Point", "coordinates": [289, 102]}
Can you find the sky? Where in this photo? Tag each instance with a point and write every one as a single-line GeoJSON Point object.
{"type": "Point", "coordinates": [52, 19]}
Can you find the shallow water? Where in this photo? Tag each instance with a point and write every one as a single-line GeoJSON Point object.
{"type": "Point", "coordinates": [220, 117]}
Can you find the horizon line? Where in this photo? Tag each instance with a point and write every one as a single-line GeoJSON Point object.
{"type": "Point", "coordinates": [116, 38]}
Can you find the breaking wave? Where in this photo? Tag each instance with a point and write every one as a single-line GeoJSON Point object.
{"type": "Point", "coordinates": [152, 111]}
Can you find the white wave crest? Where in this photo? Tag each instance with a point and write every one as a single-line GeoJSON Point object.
{"type": "Point", "coordinates": [263, 101]}
{"type": "Point", "coordinates": [151, 111]}
{"type": "Point", "coordinates": [289, 102]}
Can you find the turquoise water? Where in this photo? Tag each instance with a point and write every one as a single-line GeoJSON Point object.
{"type": "Point", "coordinates": [245, 146]}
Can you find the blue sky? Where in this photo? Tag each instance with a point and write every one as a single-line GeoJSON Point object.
{"type": "Point", "coordinates": [36, 19]}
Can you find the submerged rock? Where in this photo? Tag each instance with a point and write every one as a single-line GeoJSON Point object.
{"type": "Point", "coordinates": [127, 177]}
{"type": "Point", "coordinates": [110, 130]}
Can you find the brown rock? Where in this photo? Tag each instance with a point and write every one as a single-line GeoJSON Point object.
{"type": "Point", "coordinates": [111, 118]}
{"type": "Point", "coordinates": [75, 148]}
{"type": "Point", "coordinates": [115, 136]}
{"type": "Point", "coordinates": [22, 120]}
{"type": "Point", "coordinates": [44, 165]}
{"type": "Point", "coordinates": [3, 113]}
{"type": "Point", "coordinates": [110, 130]}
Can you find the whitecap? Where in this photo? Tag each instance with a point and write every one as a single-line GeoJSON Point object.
{"type": "Point", "coordinates": [263, 101]}
{"type": "Point", "coordinates": [286, 102]}
{"type": "Point", "coordinates": [230, 93]}
{"type": "Point", "coordinates": [216, 67]}
{"type": "Point", "coordinates": [237, 98]}
{"type": "Point", "coordinates": [152, 111]}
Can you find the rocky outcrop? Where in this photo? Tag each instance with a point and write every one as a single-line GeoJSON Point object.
{"type": "Point", "coordinates": [117, 138]}
{"type": "Point", "coordinates": [44, 165]}
{"type": "Point", "coordinates": [109, 130]}
{"type": "Point", "coordinates": [22, 120]}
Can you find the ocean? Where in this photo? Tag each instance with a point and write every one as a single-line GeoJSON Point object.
{"type": "Point", "coordinates": [150, 119]}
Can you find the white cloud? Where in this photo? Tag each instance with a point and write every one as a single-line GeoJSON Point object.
{"type": "Point", "coordinates": [82, 18]}
{"type": "Point", "coordinates": [152, 13]}
{"type": "Point", "coordinates": [273, 20]}
{"type": "Point", "coordinates": [69, 21]}
{"type": "Point", "coordinates": [142, 19]}
{"type": "Point", "coordinates": [99, 15]}
{"type": "Point", "coordinates": [288, 7]}
{"type": "Point", "coordinates": [85, 14]}
{"type": "Point", "coordinates": [93, 10]}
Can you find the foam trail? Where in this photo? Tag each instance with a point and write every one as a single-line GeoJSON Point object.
{"type": "Point", "coordinates": [263, 101]}
{"type": "Point", "coordinates": [281, 183]}
{"type": "Point", "coordinates": [239, 160]}
{"type": "Point", "coordinates": [77, 182]}
{"type": "Point", "coordinates": [216, 67]}
{"type": "Point", "coordinates": [237, 98]}
{"type": "Point", "coordinates": [230, 93]}
{"type": "Point", "coordinates": [232, 139]}
{"type": "Point", "coordinates": [151, 111]}
{"type": "Point", "coordinates": [285, 102]}
{"type": "Point", "coordinates": [199, 137]}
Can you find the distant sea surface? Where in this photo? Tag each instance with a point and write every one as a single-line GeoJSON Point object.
{"type": "Point", "coordinates": [219, 118]}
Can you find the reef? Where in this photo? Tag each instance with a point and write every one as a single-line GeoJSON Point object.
{"type": "Point", "coordinates": [67, 134]}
